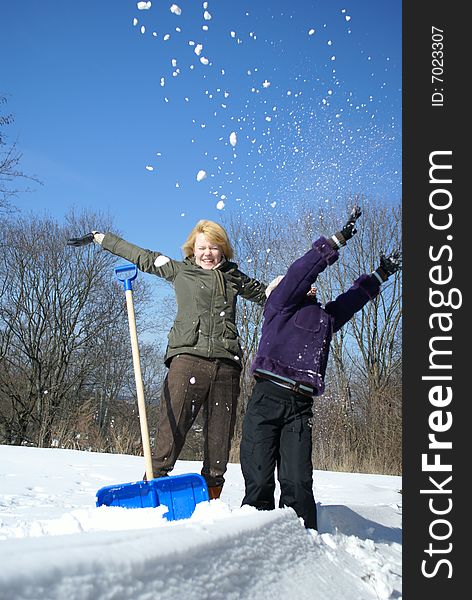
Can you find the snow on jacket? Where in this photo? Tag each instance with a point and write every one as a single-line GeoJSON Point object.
{"type": "Point", "coordinates": [297, 329]}
{"type": "Point", "coordinates": [205, 324]}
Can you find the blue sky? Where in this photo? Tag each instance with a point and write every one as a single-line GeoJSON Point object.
{"type": "Point", "coordinates": [114, 116]}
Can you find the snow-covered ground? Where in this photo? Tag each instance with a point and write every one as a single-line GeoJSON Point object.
{"type": "Point", "coordinates": [55, 544]}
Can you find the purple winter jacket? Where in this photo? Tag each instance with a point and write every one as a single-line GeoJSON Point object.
{"type": "Point", "coordinates": [297, 330]}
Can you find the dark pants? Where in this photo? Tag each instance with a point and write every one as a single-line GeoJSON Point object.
{"type": "Point", "coordinates": [277, 433]}
{"type": "Point", "coordinates": [193, 382]}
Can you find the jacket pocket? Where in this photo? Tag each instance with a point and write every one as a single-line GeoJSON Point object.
{"type": "Point", "coordinates": [184, 333]}
{"type": "Point", "coordinates": [231, 331]}
{"type": "Point", "coordinates": [310, 320]}
{"type": "Point", "coordinates": [231, 338]}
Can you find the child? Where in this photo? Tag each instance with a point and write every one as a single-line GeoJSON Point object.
{"type": "Point", "coordinates": [289, 369]}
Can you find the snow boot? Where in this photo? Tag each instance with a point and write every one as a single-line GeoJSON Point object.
{"type": "Point", "coordinates": [214, 491]}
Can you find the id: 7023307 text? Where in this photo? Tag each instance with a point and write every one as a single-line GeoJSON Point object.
{"type": "Point", "coordinates": [437, 66]}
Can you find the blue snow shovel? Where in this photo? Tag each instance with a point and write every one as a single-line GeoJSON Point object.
{"type": "Point", "coordinates": [179, 493]}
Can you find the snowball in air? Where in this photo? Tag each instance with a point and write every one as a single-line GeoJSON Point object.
{"type": "Point", "coordinates": [206, 16]}
{"type": "Point", "coordinates": [311, 32]}
{"type": "Point", "coordinates": [204, 60]}
{"type": "Point", "coordinates": [265, 84]}
{"type": "Point", "coordinates": [233, 138]}
{"type": "Point", "coordinates": [220, 205]}
{"type": "Point", "coordinates": [149, 168]}
{"type": "Point", "coordinates": [161, 261]}
{"type": "Point", "coordinates": [176, 9]}
{"type": "Point", "coordinates": [143, 5]}
{"type": "Point", "coordinates": [201, 175]}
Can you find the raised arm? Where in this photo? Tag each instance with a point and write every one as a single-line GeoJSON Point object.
{"type": "Point", "coordinates": [304, 271]}
{"type": "Point", "coordinates": [301, 274]}
{"type": "Point", "coordinates": [252, 289]}
{"type": "Point", "coordinates": [146, 260]}
{"type": "Point", "coordinates": [364, 289]}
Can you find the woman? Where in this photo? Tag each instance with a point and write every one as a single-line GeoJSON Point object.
{"type": "Point", "coordinates": [203, 352]}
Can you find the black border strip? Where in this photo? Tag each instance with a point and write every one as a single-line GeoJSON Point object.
{"type": "Point", "coordinates": [435, 124]}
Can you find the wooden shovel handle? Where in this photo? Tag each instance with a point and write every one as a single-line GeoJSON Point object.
{"type": "Point", "coordinates": [139, 385]}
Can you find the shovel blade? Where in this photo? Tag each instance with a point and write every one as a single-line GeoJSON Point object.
{"type": "Point", "coordinates": [179, 493]}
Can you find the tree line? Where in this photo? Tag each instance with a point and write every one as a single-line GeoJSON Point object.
{"type": "Point", "coordinates": [66, 375]}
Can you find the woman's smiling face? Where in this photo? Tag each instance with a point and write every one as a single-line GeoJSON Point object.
{"type": "Point", "coordinates": [207, 254]}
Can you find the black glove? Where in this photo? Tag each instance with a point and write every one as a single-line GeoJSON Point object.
{"type": "Point", "coordinates": [340, 238]}
{"type": "Point", "coordinates": [81, 241]}
{"type": "Point", "coordinates": [389, 265]}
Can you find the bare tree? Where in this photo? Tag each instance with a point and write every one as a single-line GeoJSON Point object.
{"type": "Point", "coordinates": [62, 325]}
{"type": "Point", "coordinates": [10, 159]}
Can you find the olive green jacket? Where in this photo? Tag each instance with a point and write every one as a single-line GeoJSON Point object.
{"type": "Point", "coordinates": [205, 324]}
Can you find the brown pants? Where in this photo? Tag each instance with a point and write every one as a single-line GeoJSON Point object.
{"type": "Point", "coordinates": [193, 382]}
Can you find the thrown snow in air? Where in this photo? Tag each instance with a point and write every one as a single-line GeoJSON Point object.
{"type": "Point", "coordinates": [201, 175]}
{"type": "Point", "coordinates": [270, 141]}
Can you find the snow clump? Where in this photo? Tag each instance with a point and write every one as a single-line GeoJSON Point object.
{"type": "Point", "coordinates": [161, 261]}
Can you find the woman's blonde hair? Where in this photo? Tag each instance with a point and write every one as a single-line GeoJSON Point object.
{"type": "Point", "coordinates": [214, 234]}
